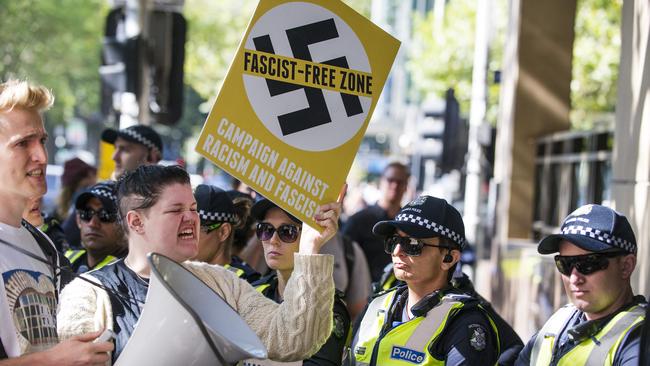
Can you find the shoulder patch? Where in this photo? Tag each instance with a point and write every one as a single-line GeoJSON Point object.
{"type": "Point", "coordinates": [477, 337]}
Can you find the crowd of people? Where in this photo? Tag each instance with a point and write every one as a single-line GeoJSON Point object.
{"type": "Point", "coordinates": [70, 274]}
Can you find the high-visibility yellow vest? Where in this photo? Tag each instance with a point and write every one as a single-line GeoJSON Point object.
{"type": "Point", "coordinates": [407, 343]}
{"type": "Point", "coordinates": [238, 271]}
{"type": "Point", "coordinates": [587, 352]}
{"type": "Point", "coordinates": [74, 255]}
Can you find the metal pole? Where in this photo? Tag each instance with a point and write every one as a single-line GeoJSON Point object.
{"type": "Point", "coordinates": [476, 119]}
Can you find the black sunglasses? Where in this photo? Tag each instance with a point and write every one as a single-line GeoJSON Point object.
{"type": "Point", "coordinates": [103, 215]}
{"type": "Point", "coordinates": [411, 247]}
{"type": "Point", "coordinates": [286, 232]}
{"type": "Point", "coordinates": [586, 263]}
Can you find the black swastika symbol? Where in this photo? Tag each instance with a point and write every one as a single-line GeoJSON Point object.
{"type": "Point", "coordinates": [317, 113]}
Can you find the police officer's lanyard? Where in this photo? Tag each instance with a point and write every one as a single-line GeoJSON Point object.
{"type": "Point", "coordinates": [405, 316]}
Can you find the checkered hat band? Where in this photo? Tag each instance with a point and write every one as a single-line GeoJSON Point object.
{"type": "Point", "coordinates": [429, 225]}
{"type": "Point", "coordinates": [603, 237]}
{"type": "Point", "coordinates": [217, 216]}
{"type": "Point", "coordinates": [138, 137]}
{"type": "Point", "coordinates": [103, 193]}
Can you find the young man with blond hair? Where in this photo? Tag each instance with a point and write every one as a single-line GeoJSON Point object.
{"type": "Point", "coordinates": [28, 261]}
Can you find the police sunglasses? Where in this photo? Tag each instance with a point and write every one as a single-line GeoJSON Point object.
{"type": "Point", "coordinates": [411, 247]}
{"type": "Point", "coordinates": [104, 216]}
{"type": "Point", "coordinates": [586, 264]}
{"type": "Point", "coordinates": [286, 232]}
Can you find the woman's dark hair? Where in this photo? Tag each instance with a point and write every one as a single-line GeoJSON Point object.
{"type": "Point", "coordinates": [244, 230]}
{"type": "Point", "coordinates": [242, 207]}
{"type": "Point", "coordinates": [141, 188]}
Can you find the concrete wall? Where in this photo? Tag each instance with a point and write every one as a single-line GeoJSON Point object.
{"type": "Point", "coordinates": [535, 100]}
{"type": "Point", "coordinates": [631, 160]}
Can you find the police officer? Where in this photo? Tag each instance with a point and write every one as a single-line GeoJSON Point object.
{"type": "Point", "coordinates": [220, 217]}
{"type": "Point", "coordinates": [428, 321]}
{"type": "Point", "coordinates": [279, 233]}
{"type": "Point", "coordinates": [102, 238]}
{"type": "Point", "coordinates": [602, 324]}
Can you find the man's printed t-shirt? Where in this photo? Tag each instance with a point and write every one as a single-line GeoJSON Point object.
{"type": "Point", "coordinates": [27, 296]}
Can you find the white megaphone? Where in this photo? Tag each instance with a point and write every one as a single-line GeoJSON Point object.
{"type": "Point", "coordinates": [184, 322]}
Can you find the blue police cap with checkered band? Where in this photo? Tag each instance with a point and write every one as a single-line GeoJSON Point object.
{"type": "Point", "coordinates": [594, 228]}
{"type": "Point", "coordinates": [214, 205]}
{"type": "Point", "coordinates": [104, 191]}
{"type": "Point", "coordinates": [140, 134]}
{"type": "Point", "coordinates": [426, 217]}
{"type": "Point", "coordinates": [263, 205]}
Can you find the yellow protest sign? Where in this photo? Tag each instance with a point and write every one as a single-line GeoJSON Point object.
{"type": "Point", "coordinates": [297, 100]}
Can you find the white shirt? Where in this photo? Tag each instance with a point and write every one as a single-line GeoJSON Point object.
{"type": "Point", "coordinates": [27, 295]}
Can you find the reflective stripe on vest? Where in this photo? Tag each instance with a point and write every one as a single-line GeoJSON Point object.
{"type": "Point", "coordinates": [407, 343]}
{"type": "Point", "coordinates": [390, 282]}
{"type": "Point", "coordinates": [261, 288]}
{"type": "Point", "coordinates": [586, 352]}
{"type": "Point", "coordinates": [107, 260]}
{"type": "Point", "coordinates": [238, 271]}
{"type": "Point", "coordinates": [74, 255]}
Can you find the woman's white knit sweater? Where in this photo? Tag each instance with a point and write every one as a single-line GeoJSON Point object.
{"type": "Point", "coordinates": [293, 330]}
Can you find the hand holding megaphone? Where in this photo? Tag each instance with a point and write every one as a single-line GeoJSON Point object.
{"type": "Point", "coordinates": [327, 217]}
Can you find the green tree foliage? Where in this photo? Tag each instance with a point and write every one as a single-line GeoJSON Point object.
{"type": "Point", "coordinates": [215, 30]}
{"type": "Point", "coordinates": [596, 57]}
{"type": "Point", "coordinates": [443, 52]}
{"type": "Point", "coordinates": [361, 6]}
{"type": "Point", "coordinates": [442, 56]}
{"type": "Point", "coordinates": [57, 44]}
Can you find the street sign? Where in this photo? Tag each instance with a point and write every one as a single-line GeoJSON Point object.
{"type": "Point", "coordinates": [297, 100]}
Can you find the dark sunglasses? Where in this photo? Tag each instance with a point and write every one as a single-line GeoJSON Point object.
{"type": "Point", "coordinates": [411, 247]}
{"type": "Point", "coordinates": [210, 228]}
{"type": "Point", "coordinates": [586, 263]}
{"type": "Point", "coordinates": [103, 215]}
{"type": "Point", "coordinates": [287, 233]}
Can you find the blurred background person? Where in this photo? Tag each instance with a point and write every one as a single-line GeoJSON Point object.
{"type": "Point", "coordinates": [392, 185]}
{"type": "Point", "coordinates": [351, 274]}
{"type": "Point", "coordinates": [220, 217]}
{"type": "Point", "coordinates": [134, 146]}
{"type": "Point", "coordinates": [47, 224]}
{"type": "Point", "coordinates": [77, 176]}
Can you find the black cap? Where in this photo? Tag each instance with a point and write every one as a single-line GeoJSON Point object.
{"type": "Point", "coordinates": [259, 209]}
{"type": "Point", "coordinates": [426, 217]}
{"type": "Point", "coordinates": [594, 228]}
{"type": "Point", "coordinates": [214, 205]}
{"type": "Point", "coordinates": [140, 134]}
{"type": "Point", "coordinates": [104, 191]}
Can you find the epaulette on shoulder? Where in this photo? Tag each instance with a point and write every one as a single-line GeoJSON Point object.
{"type": "Point", "coordinates": [398, 287]}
